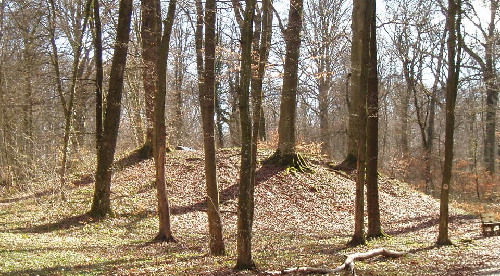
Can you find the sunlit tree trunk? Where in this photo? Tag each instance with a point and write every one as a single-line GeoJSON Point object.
{"type": "Point", "coordinates": [206, 74]}
{"type": "Point", "coordinates": [165, 231]}
{"type": "Point", "coordinates": [288, 107]}
{"type": "Point", "coordinates": [246, 187]}
{"type": "Point", "coordinates": [151, 39]}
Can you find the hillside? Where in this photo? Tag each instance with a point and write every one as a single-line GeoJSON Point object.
{"type": "Point", "coordinates": [300, 219]}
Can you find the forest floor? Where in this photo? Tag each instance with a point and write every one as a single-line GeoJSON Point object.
{"type": "Point", "coordinates": [300, 219]}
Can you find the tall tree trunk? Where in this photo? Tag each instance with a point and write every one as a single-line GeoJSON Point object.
{"type": "Point", "coordinates": [452, 24]}
{"type": "Point", "coordinates": [101, 204]}
{"type": "Point", "coordinates": [372, 198]}
{"type": "Point", "coordinates": [99, 74]}
{"type": "Point", "coordinates": [165, 231]}
{"type": "Point", "coordinates": [207, 102]}
{"type": "Point", "coordinates": [288, 107]}
{"type": "Point", "coordinates": [246, 187]}
{"type": "Point", "coordinates": [359, 64]}
{"type": "Point", "coordinates": [151, 39]}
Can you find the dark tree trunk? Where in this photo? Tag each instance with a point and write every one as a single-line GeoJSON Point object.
{"type": "Point", "coordinates": [101, 205]}
{"type": "Point", "coordinates": [452, 24]}
{"type": "Point", "coordinates": [207, 102]}
{"type": "Point", "coordinates": [359, 64]}
{"type": "Point", "coordinates": [99, 74]}
{"type": "Point", "coordinates": [372, 197]}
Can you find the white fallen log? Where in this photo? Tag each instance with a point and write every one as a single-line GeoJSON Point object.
{"type": "Point", "coordinates": [347, 265]}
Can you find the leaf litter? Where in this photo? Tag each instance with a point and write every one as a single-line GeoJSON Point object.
{"type": "Point", "coordinates": [300, 219]}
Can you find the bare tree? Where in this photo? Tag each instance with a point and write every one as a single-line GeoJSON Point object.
{"type": "Point", "coordinates": [101, 204]}
{"type": "Point", "coordinates": [165, 231]}
{"type": "Point", "coordinates": [484, 55]}
{"type": "Point", "coordinates": [359, 66]}
{"type": "Point", "coordinates": [453, 27]}
{"type": "Point", "coordinates": [206, 86]}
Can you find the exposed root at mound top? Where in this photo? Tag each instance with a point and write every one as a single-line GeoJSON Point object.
{"type": "Point", "coordinates": [294, 162]}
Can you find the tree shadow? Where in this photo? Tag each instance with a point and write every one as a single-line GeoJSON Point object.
{"type": "Point", "coordinates": [65, 223]}
{"type": "Point", "coordinates": [424, 222]}
{"type": "Point", "coordinates": [100, 268]}
{"type": "Point", "coordinates": [138, 155]}
{"type": "Point", "coordinates": [35, 195]}
{"type": "Point", "coordinates": [263, 173]}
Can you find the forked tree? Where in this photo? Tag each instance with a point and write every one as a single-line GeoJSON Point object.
{"type": "Point", "coordinates": [159, 152]}
{"type": "Point", "coordinates": [101, 204]}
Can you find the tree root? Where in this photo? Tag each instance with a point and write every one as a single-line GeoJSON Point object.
{"type": "Point", "coordinates": [348, 165]}
{"type": "Point", "coordinates": [162, 237]}
{"type": "Point", "coordinates": [294, 162]}
{"type": "Point", "coordinates": [347, 265]}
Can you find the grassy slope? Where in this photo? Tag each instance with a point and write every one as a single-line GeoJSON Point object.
{"type": "Point", "coordinates": [300, 219]}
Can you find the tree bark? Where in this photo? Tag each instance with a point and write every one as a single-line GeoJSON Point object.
{"type": "Point", "coordinates": [452, 24]}
{"type": "Point", "coordinates": [165, 231]}
{"type": "Point", "coordinates": [288, 107]}
{"type": "Point", "coordinates": [101, 205]}
{"type": "Point", "coordinates": [246, 188]}
{"type": "Point", "coordinates": [372, 198]}
{"type": "Point", "coordinates": [207, 102]}
{"type": "Point", "coordinates": [359, 63]}
{"type": "Point", "coordinates": [99, 74]}
{"type": "Point", "coordinates": [151, 39]}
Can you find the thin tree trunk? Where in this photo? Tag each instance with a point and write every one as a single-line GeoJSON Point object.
{"type": "Point", "coordinates": [207, 102]}
{"type": "Point", "coordinates": [165, 231]}
{"type": "Point", "coordinates": [101, 204]}
{"type": "Point", "coordinates": [452, 24]}
{"type": "Point", "coordinates": [245, 196]}
{"type": "Point", "coordinates": [99, 74]}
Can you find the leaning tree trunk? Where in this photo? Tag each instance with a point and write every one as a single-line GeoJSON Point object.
{"type": "Point", "coordinates": [165, 231]}
{"type": "Point", "coordinates": [101, 205]}
{"type": "Point", "coordinates": [452, 24]}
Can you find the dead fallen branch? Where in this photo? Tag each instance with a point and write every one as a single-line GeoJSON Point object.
{"type": "Point", "coordinates": [347, 265]}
